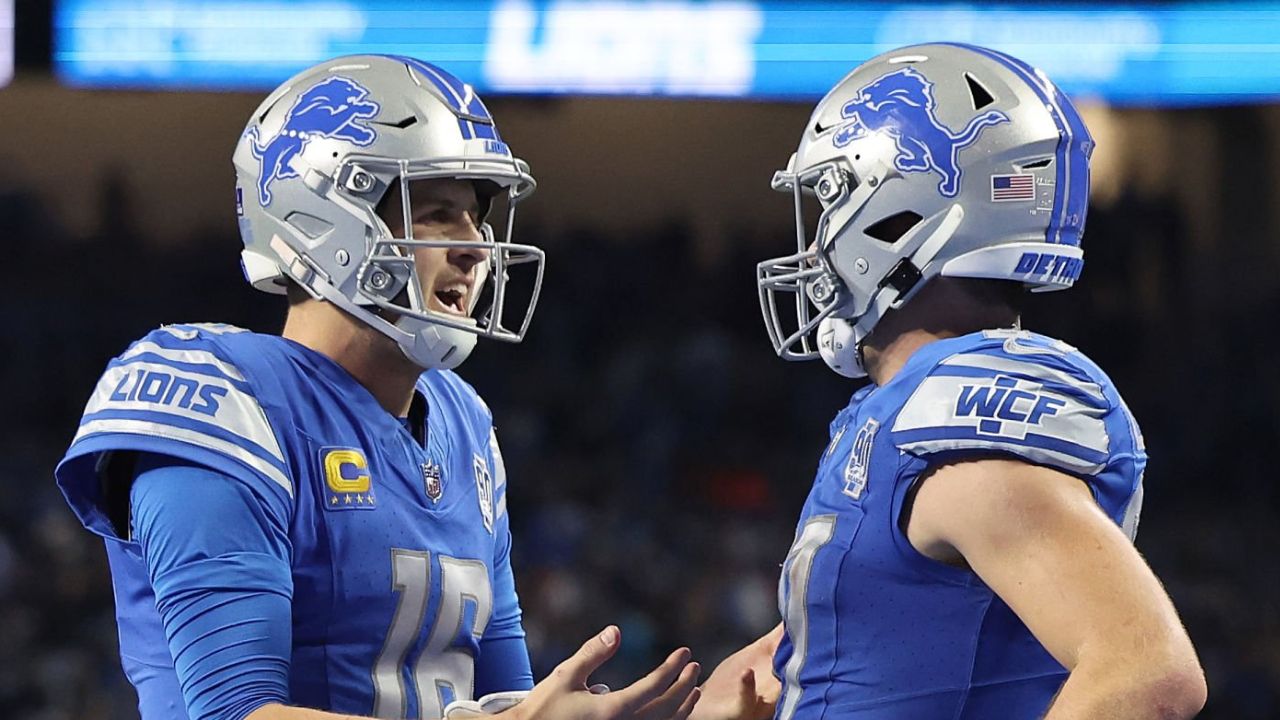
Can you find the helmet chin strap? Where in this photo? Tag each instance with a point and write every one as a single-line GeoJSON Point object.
{"type": "Point", "coordinates": [431, 346]}
{"type": "Point", "coordinates": [840, 347]}
{"type": "Point", "coordinates": [426, 344]}
{"type": "Point", "coordinates": [840, 340]}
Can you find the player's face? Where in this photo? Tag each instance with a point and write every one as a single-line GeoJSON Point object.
{"type": "Point", "coordinates": [443, 209]}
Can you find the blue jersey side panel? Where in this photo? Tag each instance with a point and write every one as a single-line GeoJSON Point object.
{"type": "Point", "coordinates": [873, 628]}
{"type": "Point", "coordinates": [395, 540]}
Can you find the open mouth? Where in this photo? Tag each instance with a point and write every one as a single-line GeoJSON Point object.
{"type": "Point", "coordinates": [452, 300]}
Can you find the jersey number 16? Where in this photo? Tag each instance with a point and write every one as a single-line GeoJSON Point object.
{"type": "Point", "coordinates": [442, 672]}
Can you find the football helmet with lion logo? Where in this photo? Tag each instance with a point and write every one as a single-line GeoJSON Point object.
{"type": "Point", "coordinates": [322, 151]}
{"type": "Point", "coordinates": [932, 160]}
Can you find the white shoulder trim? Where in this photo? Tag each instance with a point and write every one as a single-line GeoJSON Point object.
{"type": "Point", "coordinates": [1022, 367]}
{"type": "Point", "coordinates": [211, 407]}
{"type": "Point", "coordinates": [189, 331]}
{"type": "Point", "coordinates": [197, 357]}
{"type": "Point", "coordinates": [1004, 412]}
{"type": "Point", "coordinates": [191, 437]}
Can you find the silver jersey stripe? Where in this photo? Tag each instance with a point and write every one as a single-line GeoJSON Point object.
{"type": "Point", "coordinates": [934, 405]}
{"type": "Point", "coordinates": [817, 532]}
{"type": "Point", "coordinates": [213, 328]}
{"type": "Point", "coordinates": [1038, 455]}
{"type": "Point", "coordinates": [200, 357]}
{"type": "Point", "coordinates": [237, 412]}
{"type": "Point", "coordinates": [191, 437]}
{"type": "Point", "coordinates": [1035, 370]}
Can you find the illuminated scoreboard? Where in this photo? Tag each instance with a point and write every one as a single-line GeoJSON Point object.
{"type": "Point", "coordinates": [1167, 53]}
{"type": "Point", "coordinates": [6, 42]}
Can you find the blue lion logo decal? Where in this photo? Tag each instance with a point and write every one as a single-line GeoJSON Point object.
{"type": "Point", "coordinates": [901, 104]}
{"type": "Point", "coordinates": [333, 108]}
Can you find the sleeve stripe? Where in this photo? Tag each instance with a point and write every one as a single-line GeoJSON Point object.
{"type": "Point", "coordinates": [1032, 371]}
{"type": "Point", "coordinates": [1045, 451]}
{"type": "Point", "coordinates": [1037, 455]}
{"type": "Point", "coordinates": [962, 407]}
{"type": "Point", "coordinates": [189, 357]}
{"type": "Point", "coordinates": [185, 402]}
{"type": "Point", "coordinates": [1032, 440]}
{"type": "Point", "coordinates": [189, 330]}
{"type": "Point", "coordinates": [1072, 391]}
{"type": "Point", "coordinates": [153, 361]}
{"type": "Point", "coordinates": [502, 506]}
{"type": "Point", "coordinates": [191, 437]}
{"type": "Point", "coordinates": [165, 419]}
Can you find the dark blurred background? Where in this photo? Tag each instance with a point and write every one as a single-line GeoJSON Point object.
{"type": "Point", "coordinates": [658, 451]}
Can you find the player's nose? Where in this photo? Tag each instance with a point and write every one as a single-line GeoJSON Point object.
{"type": "Point", "coordinates": [467, 256]}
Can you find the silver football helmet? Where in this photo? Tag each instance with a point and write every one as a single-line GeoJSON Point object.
{"type": "Point", "coordinates": [321, 152]}
{"type": "Point", "coordinates": [930, 160]}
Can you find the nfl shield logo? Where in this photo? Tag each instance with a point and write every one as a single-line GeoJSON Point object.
{"type": "Point", "coordinates": [432, 481]}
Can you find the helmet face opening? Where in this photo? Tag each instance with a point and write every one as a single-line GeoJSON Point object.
{"type": "Point", "coordinates": [808, 274]}
{"type": "Point", "coordinates": [391, 276]}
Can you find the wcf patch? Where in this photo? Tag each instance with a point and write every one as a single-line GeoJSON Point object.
{"type": "Point", "coordinates": [1005, 406]}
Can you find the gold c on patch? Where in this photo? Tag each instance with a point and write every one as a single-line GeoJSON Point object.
{"type": "Point", "coordinates": [348, 484]}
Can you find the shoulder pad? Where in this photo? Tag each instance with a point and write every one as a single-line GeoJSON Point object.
{"type": "Point", "coordinates": [1037, 404]}
{"type": "Point", "coordinates": [180, 390]}
{"type": "Point", "coordinates": [192, 331]}
{"type": "Point", "coordinates": [474, 411]}
{"type": "Point", "coordinates": [451, 384]}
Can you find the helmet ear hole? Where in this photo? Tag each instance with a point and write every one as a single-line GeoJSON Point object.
{"type": "Point", "coordinates": [980, 95]}
{"type": "Point", "coordinates": [267, 110]}
{"type": "Point", "coordinates": [891, 229]}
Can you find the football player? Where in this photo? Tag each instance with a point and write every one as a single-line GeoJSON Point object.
{"type": "Point", "coordinates": [966, 549]}
{"type": "Point", "coordinates": [310, 522]}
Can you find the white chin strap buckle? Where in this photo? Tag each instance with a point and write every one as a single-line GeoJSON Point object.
{"type": "Point", "coordinates": [838, 345]}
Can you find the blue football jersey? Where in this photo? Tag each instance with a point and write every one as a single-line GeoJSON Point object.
{"type": "Point", "coordinates": [396, 544]}
{"type": "Point", "coordinates": [874, 629]}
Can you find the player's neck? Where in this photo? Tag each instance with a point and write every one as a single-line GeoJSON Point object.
{"type": "Point", "coordinates": [942, 309]}
{"type": "Point", "coordinates": [886, 358]}
{"type": "Point", "coordinates": [371, 358]}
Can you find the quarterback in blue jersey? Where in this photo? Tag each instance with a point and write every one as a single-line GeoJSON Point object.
{"type": "Point", "coordinates": [310, 524]}
{"type": "Point", "coordinates": [966, 549]}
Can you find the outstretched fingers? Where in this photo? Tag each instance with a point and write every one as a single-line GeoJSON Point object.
{"type": "Point", "coordinates": [660, 693]}
{"type": "Point", "coordinates": [575, 670]}
{"type": "Point", "coordinates": [669, 702]}
{"type": "Point", "coordinates": [686, 708]}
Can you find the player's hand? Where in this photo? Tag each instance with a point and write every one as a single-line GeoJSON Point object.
{"type": "Point", "coordinates": [743, 686]}
{"type": "Point", "coordinates": [669, 691]}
